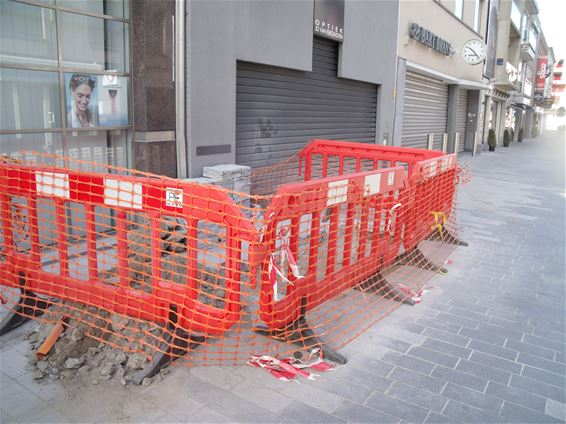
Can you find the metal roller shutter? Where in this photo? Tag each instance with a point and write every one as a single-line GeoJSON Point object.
{"type": "Point", "coordinates": [278, 110]}
{"type": "Point", "coordinates": [425, 111]}
{"type": "Point", "coordinates": [461, 118]}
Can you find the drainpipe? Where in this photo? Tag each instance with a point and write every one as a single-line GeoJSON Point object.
{"type": "Point", "coordinates": [179, 75]}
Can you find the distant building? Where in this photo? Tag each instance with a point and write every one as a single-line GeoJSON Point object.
{"type": "Point", "coordinates": [559, 87]}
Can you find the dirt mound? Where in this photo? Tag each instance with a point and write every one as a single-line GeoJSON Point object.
{"type": "Point", "coordinates": [95, 346]}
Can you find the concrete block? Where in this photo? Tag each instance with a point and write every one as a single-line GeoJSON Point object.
{"type": "Point", "coordinates": [201, 180]}
{"type": "Point", "coordinates": [226, 171]}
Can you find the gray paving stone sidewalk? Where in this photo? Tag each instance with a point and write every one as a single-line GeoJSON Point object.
{"type": "Point", "coordinates": [486, 345]}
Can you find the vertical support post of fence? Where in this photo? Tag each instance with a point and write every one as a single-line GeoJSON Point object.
{"type": "Point", "coordinates": [91, 241]}
{"type": "Point", "coordinates": [61, 220]}
{"type": "Point", "coordinates": [444, 142]}
{"type": "Point", "coordinates": [430, 142]}
{"type": "Point", "coordinates": [456, 142]}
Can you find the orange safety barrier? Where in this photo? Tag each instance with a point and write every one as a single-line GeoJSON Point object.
{"type": "Point", "coordinates": [149, 197]}
{"type": "Point", "coordinates": [333, 236]}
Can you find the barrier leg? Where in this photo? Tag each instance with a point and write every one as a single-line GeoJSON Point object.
{"type": "Point", "coordinates": [29, 306]}
{"type": "Point", "coordinates": [378, 284]}
{"type": "Point", "coordinates": [301, 334]}
{"type": "Point", "coordinates": [448, 238]}
{"type": "Point", "coordinates": [417, 258]}
{"type": "Point", "coordinates": [175, 342]}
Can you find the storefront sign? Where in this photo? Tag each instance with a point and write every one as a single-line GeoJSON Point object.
{"type": "Point", "coordinates": [542, 70]}
{"type": "Point", "coordinates": [329, 19]}
{"type": "Point", "coordinates": [430, 39]}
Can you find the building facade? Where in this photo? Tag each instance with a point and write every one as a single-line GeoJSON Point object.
{"type": "Point", "coordinates": [170, 87]}
{"type": "Point", "coordinates": [65, 79]}
{"type": "Point", "coordinates": [438, 92]}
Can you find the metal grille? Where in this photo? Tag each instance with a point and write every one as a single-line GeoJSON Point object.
{"type": "Point", "coordinates": [425, 111]}
{"type": "Point", "coordinates": [461, 117]}
{"type": "Point", "coordinates": [278, 110]}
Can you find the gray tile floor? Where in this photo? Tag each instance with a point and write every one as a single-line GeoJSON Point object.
{"type": "Point", "coordinates": [486, 345]}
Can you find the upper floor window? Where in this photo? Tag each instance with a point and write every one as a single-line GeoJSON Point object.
{"type": "Point", "coordinates": [533, 35]}
{"type": "Point", "coordinates": [524, 28]}
{"type": "Point", "coordinates": [516, 16]}
{"type": "Point", "coordinates": [459, 8]}
{"type": "Point", "coordinates": [477, 15]}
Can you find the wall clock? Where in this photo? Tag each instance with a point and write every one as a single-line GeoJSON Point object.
{"type": "Point", "coordinates": [474, 51]}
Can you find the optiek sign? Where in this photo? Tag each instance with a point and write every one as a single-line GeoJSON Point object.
{"type": "Point", "coordinates": [329, 19]}
{"type": "Point", "coordinates": [430, 39]}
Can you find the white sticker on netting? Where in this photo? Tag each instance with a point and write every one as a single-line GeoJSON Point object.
{"type": "Point", "coordinates": [432, 169]}
{"type": "Point", "coordinates": [52, 184]}
{"type": "Point", "coordinates": [337, 192]}
{"type": "Point", "coordinates": [174, 197]}
{"type": "Point", "coordinates": [372, 184]}
{"type": "Point", "coordinates": [444, 165]}
{"type": "Point", "coordinates": [391, 178]}
{"type": "Point", "coordinates": [122, 193]}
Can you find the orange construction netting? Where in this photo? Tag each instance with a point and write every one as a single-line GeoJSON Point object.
{"type": "Point", "coordinates": [305, 254]}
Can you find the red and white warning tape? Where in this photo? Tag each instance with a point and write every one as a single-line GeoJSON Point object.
{"type": "Point", "coordinates": [288, 369]}
{"type": "Point", "coordinates": [286, 257]}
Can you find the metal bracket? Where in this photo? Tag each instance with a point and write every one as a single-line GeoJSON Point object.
{"type": "Point", "coordinates": [29, 306]}
{"type": "Point", "coordinates": [417, 258]}
{"type": "Point", "coordinates": [378, 284]}
{"type": "Point", "coordinates": [175, 343]}
{"type": "Point", "coordinates": [448, 238]}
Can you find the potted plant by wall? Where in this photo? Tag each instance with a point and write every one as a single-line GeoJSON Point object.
{"type": "Point", "coordinates": [520, 136]}
{"type": "Point", "coordinates": [491, 140]}
{"type": "Point", "coordinates": [506, 138]}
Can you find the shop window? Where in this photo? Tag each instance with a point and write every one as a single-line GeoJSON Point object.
{"type": "Point", "coordinates": [116, 8]}
{"type": "Point", "coordinates": [28, 35]}
{"type": "Point", "coordinates": [29, 99]}
{"type": "Point", "coordinates": [33, 81]}
{"type": "Point", "coordinates": [48, 143]}
{"type": "Point", "coordinates": [94, 44]}
{"type": "Point", "coordinates": [102, 147]}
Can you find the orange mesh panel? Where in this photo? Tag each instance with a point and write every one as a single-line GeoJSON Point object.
{"type": "Point", "coordinates": [328, 243]}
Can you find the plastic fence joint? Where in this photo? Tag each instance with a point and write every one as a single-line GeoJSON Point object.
{"type": "Point", "coordinates": [301, 334]}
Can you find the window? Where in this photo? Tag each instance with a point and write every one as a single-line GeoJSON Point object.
{"type": "Point", "coordinates": [533, 36]}
{"type": "Point", "coordinates": [28, 35]}
{"type": "Point", "coordinates": [524, 27]}
{"type": "Point", "coordinates": [65, 78]}
{"type": "Point", "coordinates": [459, 8]}
{"type": "Point", "coordinates": [477, 16]}
{"type": "Point", "coordinates": [29, 99]}
{"type": "Point", "coordinates": [516, 16]}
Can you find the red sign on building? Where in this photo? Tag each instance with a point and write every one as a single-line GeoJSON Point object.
{"type": "Point", "coordinates": [542, 70]}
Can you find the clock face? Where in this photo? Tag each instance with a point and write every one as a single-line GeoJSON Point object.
{"type": "Point", "coordinates": [474, 51]}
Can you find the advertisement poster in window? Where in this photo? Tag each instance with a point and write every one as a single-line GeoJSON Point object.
{"type": "Point", "coordinates": [96, 100]}
{"type": "Point", "coordinates": [82, 100]}
{"type": "Point", "coordinates": [113, 100]}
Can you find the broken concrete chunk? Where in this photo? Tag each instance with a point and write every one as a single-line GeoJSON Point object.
{"type": "Point", "coordinates": [73, 363]}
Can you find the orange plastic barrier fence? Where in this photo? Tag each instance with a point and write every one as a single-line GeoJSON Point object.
{"type": "Point", "coordinates": [336, 237]}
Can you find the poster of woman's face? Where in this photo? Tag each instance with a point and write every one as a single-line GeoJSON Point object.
{"type": "Point", "coordinates": [96, 100]}
{"type": "Point", "coordinates": [82, 101]}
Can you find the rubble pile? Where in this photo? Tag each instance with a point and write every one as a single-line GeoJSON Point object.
{"type": "Point", "coordinates": [97, 345]}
